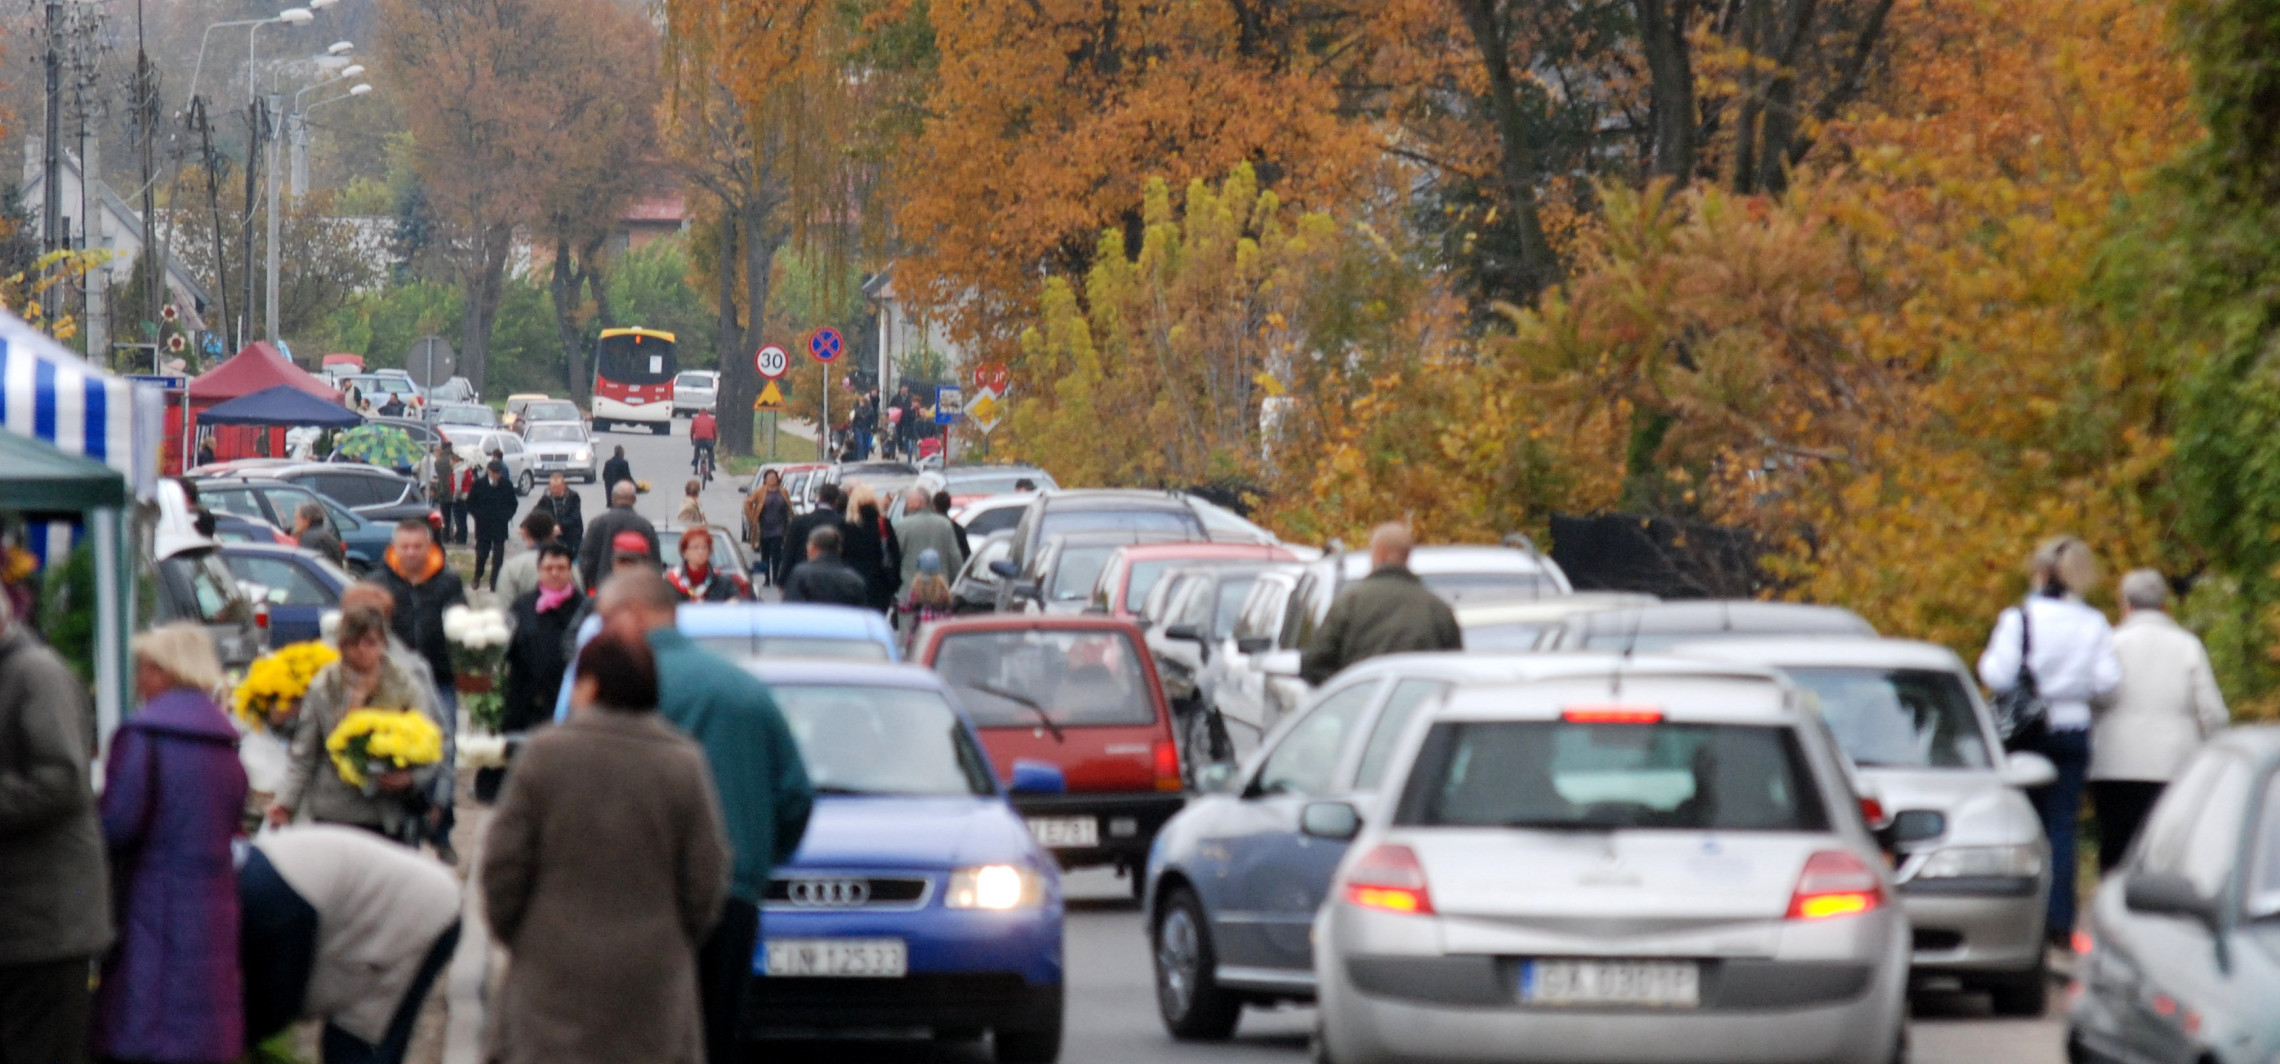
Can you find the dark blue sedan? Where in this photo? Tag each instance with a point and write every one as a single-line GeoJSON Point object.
{"type": "Point", "coordinates": [918, 898]}
{"type": "Point", "coordinates": [300, 584]}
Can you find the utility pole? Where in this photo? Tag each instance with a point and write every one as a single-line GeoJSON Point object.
{"type": "Point", "coordinates": [151, 264]}
{"type": "Point", "coordinates": [203, 125]}
{"type": "Point", "coordinates": [269, 313]}
{"type": "Point", "coordinates": [257, 122]}
{"type": "Point", "coordinates": [51, 187]}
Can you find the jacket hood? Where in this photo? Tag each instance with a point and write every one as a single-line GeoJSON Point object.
{"type": "Point", "coordinates": [185, 713]}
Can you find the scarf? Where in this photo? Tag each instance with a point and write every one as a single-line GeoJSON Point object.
{"type": "Point", "coordinates": [691, 583]}
{"type": "Point", "coordinates": [549, 600]}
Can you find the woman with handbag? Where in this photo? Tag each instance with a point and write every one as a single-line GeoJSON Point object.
{"type": "Point", "coordinates": [2049, 658]}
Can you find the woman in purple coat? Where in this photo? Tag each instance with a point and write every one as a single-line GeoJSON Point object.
{"type": "Point", "coordinates": [174, 795]}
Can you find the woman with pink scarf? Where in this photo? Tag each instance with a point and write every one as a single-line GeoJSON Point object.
{"type": "Point", "coordinates": [537, 656]}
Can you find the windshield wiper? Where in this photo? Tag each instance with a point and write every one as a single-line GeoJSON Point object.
{"type": "Point", "coordinates": [1025, 702]}
{"type": "Point", "coordinates": [832, 789]}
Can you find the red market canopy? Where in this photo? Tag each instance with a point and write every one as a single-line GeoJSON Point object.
{"type": "Point", "coordinates": [254, 369]}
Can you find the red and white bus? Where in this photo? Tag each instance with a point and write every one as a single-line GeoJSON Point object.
{"type": "Point", "coordinates": [633, 379]}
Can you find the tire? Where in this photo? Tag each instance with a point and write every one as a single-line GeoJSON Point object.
{"type": "Point", "coordinates": [1195, 746]}
{"type": "Point", "coordinates": [601, 425]}
{"type": "Point", "coordinates": [1039, 1046]}
{"type": "Point", "coordinates": [1188, 997]}
{"type": "Point", "coordinates": [663, 428]}
{"type": "Point", "coordinates": [528, 481]}
{"type": "Point", "coordinates": [2026, 994]}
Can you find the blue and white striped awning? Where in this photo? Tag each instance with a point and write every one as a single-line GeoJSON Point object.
{"type": "Point", "coordinates": [51, 394]}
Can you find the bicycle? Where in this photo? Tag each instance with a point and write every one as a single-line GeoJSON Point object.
{"type": "Point", "coordinates": [704, 465]}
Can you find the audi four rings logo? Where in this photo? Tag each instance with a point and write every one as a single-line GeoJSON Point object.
{"type": "Point", "coordinates": [829, 893]}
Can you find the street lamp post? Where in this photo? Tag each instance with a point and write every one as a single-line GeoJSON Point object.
{"type": "Point", "coordinates": [297, 127]}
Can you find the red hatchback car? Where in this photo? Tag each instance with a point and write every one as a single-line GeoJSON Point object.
{"type": "Point", "coordinates": [1081, 693]}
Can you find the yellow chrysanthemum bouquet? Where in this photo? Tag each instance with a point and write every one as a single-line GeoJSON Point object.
{"type": "Point", "coordinates": [274, 685]}
{"type": "Point", "coordinates": [372, 742]}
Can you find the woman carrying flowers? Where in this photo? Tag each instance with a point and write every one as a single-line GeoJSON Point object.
{"type": "Point", "coordinates": [328, 787]}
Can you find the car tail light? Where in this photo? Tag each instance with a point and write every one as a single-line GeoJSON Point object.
{"type": "Point", "coordinates": [261, 616]}
{"type": "Point", "coordinates": [1835, 883]}
{"type": "Point", "coordinates": [1872, 812]}
{"type": "Point", "coordinates": [1612, 714]}
{"type": "Point", "coordinates": [1390, 879]}
{"type": "Point", "coordinates": [1167, 758]}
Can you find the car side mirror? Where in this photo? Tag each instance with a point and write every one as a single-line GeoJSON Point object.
{"type": "Point", "coordinates": [1910, 827]}
{"type": "Point", "coordinates": [2027, 770]}
{"type": "Point", "coordinates": [2167, 894]}
{"type": "Point", "coordinates": [1185, 632]}
{"type": "Point", "coordinates": [744, 489]}
{"type": "Point", "coordinates": [1005, 569]}
{"type": "Point", "coordinates": [1256, 644]}
{"type": "Point", "coordinates": [1336, 821]}
{"type": "Point", "coordinates": [1037, 777]}
{"type": "Point", "coordinates": [1215, 777]}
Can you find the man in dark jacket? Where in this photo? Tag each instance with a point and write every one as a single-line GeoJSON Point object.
{"type": "Point", "coordinates": [765, 795]}
{"type": "Point", "coordinates": [568, 511]}
{"type": "Point", "coordinates": [616, 469]}
{"type": "Point", "coordinates": [1391, 612]}
{"type": "Point", "coordinates": [491, 502]}
{"type": "Point", "coordinates": [825, 579]}
{"type": "Point", "coordinates": [423, 587]}
{"type": "Point", "coordinates": [55, 909]}
{"type": "Point", "coordinates": [965, 545]}
{"type": "Point", "coordinates": [602, 534]}
{"type": "Point", "coordinates": [825, 515]}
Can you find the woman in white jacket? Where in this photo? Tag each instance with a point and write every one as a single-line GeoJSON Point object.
{"type": "Point", "coordinates": [2069, 648]}
{"type": "Point", "coordinates": [2167, 705]}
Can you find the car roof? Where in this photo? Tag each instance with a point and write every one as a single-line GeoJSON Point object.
{"type": "Point", "coordinates": [1830, 652]}
{"type": "Point", "coordinates": [2259, 741]}
{"type": "Point", "coordinates": [1110, 537]}
{"type": "Point", "coordinates": [1534, 686]}
{"type": "Point", "coordinates": [1185, 550]}
{"type": "Point", "coordinates": [1025, 622]}
{"type": "Point", "coordinates": [271, 549]}
{"type": "Point", "coordinates": [794, 673]}
{"type": "Point", "coordinates": [1546, 608]}
{"type": "Point", "coordinates": [1436, 558]}
{"type": "Point", "coordinates": [763, 619]}
{"type": "Point", "coordinates": [1110, 499]}
{"type": "Point", "coordinates": [1521, 667]}
{"type": "Point", "coordinates": [1727, 615]}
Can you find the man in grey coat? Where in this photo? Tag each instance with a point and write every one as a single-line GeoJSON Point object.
{"type": "Point", "coordinates": [55, 905]}
{"type": "Point", "coordinates": [1391, 612]}
{"type": "Point", "coordinates": [920, 529]}
{"type": "Point", "coordinates": [2144, 732]}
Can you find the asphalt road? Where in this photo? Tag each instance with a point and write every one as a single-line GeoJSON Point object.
{"type": "Point", "coordinates": [1111, 997]}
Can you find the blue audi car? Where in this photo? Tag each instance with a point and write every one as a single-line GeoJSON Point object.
{"type": "Point", "coordinates": [918, 898]}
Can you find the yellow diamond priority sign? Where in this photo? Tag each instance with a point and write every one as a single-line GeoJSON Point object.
{"type": "Point", "coordinates": [771, 398]}
{"type": "Point", "coordinates": [985, 410]}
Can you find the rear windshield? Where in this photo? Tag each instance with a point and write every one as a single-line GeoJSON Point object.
{"type": "Point", "coordinates": [1556, 775]}
{"type": "Point", "coordinates": [882, 741]}
{"type": "Point", "coordinates": [1175, 522]}
{"type": "Point", "coordinates": [1072, 677]}
{"type": "Point", "coordinates": [1909, 718]}
{"type": "Point", "coordinates": [1460, 587]}
{"type": "Point", "coordinates": [994, 520]}
{"type": "Point", "coordinates": [554, 411]}
{"type": "Point", "coordinates": [1077, 572]}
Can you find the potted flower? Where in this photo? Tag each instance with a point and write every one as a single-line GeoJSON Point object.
{"type": "Point", "coordinates": [371, 743]}
{"type": "Point", "coordinates": [478, 639]}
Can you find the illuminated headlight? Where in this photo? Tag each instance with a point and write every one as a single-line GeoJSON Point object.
{"type": "Point", "coordinates": [995, 887]}
{"type": "Point", "coordinates": [583, 456]}
{"type": "Point", "coordinates": [1961, 862]}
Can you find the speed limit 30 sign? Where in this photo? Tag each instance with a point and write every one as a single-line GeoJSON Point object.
{"type": "Point", "coordinates": [772, 361]}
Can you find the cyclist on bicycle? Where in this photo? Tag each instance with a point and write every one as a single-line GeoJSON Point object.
{"type": "Point", "coordinates": [703, 430]}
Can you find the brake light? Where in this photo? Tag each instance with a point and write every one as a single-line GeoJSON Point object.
{"type": "Point", "coordinates": [1612, 714]}
{"type": "Point", "coordinates": [261, 616]}
{"type": "Point", "coordinates": [2083, 944]}
{"type": "Point", "coordinates": [1389, 879]}
{"type": "Point", "coordinates": [1835, 883]}
{"type": "Point", "coordinates": [1167, 758]}
{"type": "Point", "coordinates": [1872, 812]}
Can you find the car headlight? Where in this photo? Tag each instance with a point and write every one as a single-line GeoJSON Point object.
{"type": "Point", "coordinates": [995, 887]}
{"type": "Point", "coordinates": [1960, 862]}
{"type": "Point", "coordinates": [583, 456]}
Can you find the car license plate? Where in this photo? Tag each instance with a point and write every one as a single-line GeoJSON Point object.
{"type": "Point", "coordinates": [845, 958]}
{"type": "Point", "coordinates": [1673, 984]}
{"type": "Point", "coordinates": [1065, 832]}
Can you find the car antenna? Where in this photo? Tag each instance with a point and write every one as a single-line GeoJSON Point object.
{"type": "Point", "coordinates": [1630, 644]}
{"type": "Point", "coordinates": [1520, 541]}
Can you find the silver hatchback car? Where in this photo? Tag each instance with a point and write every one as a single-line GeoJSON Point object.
{"type": "Point", "coordinates": [1974, 868]}
{"type": "Point", "coordinates": [1618, 860]}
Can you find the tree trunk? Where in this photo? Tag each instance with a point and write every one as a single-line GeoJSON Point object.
{"type": "Point", "coordinates": [1671, 122]}
{"type": "Point", "coordinates": [762, 237]}
{"type": "Point", "coordinates": [483, 286]}
{"type": "Point", "coordinates": [1753, 36]}
{"type": "Point", "coordinates": [728, 333]}
{"type": "Point", "coordinates": [1537, 269]}
{"type": "Point", "coordinates": [1779, 127]}
{"type": "Point", "coordinates": [566, 286]}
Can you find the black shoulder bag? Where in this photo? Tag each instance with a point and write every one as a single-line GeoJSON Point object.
{"type": "Point", "coordinates": [2022, 718]}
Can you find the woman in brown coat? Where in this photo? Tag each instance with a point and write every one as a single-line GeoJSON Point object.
{"type": "Point", "coordinates": [604, 870]}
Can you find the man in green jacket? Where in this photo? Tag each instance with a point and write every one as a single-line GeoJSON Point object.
{"type": "Point", "coordinates": [765, 796]}
{"type": "Point", "coordinates": [1391, 612]}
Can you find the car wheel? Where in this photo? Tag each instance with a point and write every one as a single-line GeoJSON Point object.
{"type": "Point", "coordinates": [1041, 1046]}
{"type": "Point", "coordinates": [523, 486]}
{"type": "Point", "coordinates": [2024, 994]}
{"type": "Point", "coordinates": [1188, 996]}
{"type": "Point", "coordinates": [600, 425]}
